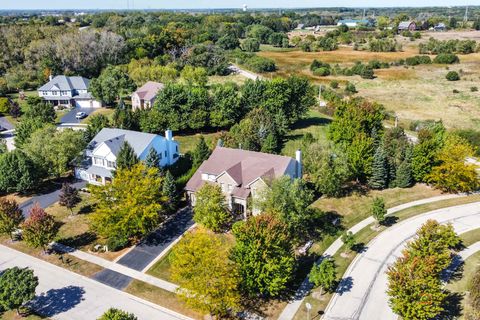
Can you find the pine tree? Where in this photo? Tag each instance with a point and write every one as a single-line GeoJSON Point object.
{"type": "Point", "coordinates": [379, 177]}
{"type": "Point", "coordinates": [153, 159]}
{"type": "Point", "coordinates": [69, 197]}
{"type": "Point", "coordinates": [269, 145]}
{"type": "Point", "coordinates": [169, 190]}
{"type": "Point", "coordinates": [126, 157]}
{"type": "Point", "coordinates": [201, 152]}
{"type": "Point", "coordinates": [404, 174]}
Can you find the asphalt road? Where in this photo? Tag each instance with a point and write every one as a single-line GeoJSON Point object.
{"type": "Point", "coordinates": [64, 295]}
{"type": "Point", "coordinates": [362, 292]}
{"type": "Point", "coordinates": [146, 251]}
{"type": "Point", "coordinates": [5, 123]}
{"type": "Point", "coordinates": [70, 116]}
{"type": "Point", "coordinates": [46, 200]}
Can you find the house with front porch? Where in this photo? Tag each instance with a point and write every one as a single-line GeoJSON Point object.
{"type": "Point", "coordinates": [100, 157]}
{"type": "Point", "coordinates": [242, 175]}
{"type": "Point", "coordinates": [68, 92]}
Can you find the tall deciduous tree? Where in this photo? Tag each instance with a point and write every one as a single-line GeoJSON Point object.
{"type": "Point", "coordinates": [211, 208]}
{"type": "Point", "coordinates": [131, 206]}
{"type": "Point", "coordinates": [208, 280]}
{"type": "Point", "coordinates": [378, 210]}
{"type": "Point", "coordinates": [264, 253]}
{"type": "Point", "coordinates": [117, 314]}
{"type": "Point", "coordinates": [127, 157]}
{"type": "Point", "coordinates": [40, 228]}
{"type": "Point", "coordinates": [112, 84]}
{"type": "Point", "coordinates": [69, 197]}
{"type": "Point", "coordinates": [17, 287]}
{"type": "Point", "coordinates": [10, 216]}
{"type": "Point", "coordinates": [17, 172]}
{"type": "Point", "coordinates": [324, 275]}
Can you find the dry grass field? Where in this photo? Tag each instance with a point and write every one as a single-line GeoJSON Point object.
{"type": "Point", "coordinates": [413, 93]}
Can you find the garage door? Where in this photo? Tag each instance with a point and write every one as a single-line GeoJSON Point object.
{"type": "Point", "coordinates": [83, 103]}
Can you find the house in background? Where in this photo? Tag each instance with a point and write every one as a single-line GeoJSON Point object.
{"type": "Point", "coordinates": [440, 27]}
{"type": "Point", "coordinates": [353, 23]}
{"type": "Point", "coordinates": [407, 26]}
{"type": "Point", "coordinates": [68, 92]}
{"type": "Point", "coordinates": [100, 156]}
{"type": "Point", "coordinates": [145, 96]}
{"type": "Point", "coordinates": [242, 175]}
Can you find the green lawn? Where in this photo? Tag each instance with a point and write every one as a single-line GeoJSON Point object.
{"type": "Point", "coordinates": [161, 269]}
{"type": "Point", "coordinates": [12, 315]}
{"type": "Point", "coordinates": [189, 141]}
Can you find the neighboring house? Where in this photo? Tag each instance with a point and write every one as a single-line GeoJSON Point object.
{"type": "Point", "coordinates": [68, 92]}
{"type": "Point", "coordinates": [100, 156]}
{"type": "Point", "coordinates": [352, 23]}
{"type": "Point", "coordinates": [145, 96]}
{"type": "Point", "coordinates": [407, 26]}
{"type": "Point", "coordinates": [242, 175]}
{"type": "Point", "coordinates": [440, 27]}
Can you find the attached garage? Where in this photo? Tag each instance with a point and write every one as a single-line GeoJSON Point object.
{"type": "Point", "coordinates": [87, 103]}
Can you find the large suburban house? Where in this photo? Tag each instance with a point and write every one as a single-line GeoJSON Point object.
{"type": "Point", "coordinates": [100, 156]}
{"type": "Point", "coordinates": [242, 175]}
{"type": "Point", "coordinates": [145, 96]}
{"type": "Point", "coordinates": [68, 92]}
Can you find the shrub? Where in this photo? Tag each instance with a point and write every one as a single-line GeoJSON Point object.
{"type": "Point", "coordinates": [260, 64]}
{"type": "Point", "coordinates": [446, 58]}
{"type": "Point", "coordinates": [117, 243]}
{"type": "Point", "coordinates": [321, 72]}
{"type": "Point", "coordinates": [334, 84]}
{"type": "Point", "coordinates": [452, 76]}
{"type": "Point", "coordinates": [473, 89]}
{"type": "Point", "coordinates": [4, 105]}
{"type": "Point", "coordinates": [416, 60]}
{"type": "Point", "coordinates": [350, 88]}
{"type": "Point", "coordinates": [250, 45]}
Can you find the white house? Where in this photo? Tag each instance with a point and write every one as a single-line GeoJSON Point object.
{"type": "Point", "coordinates": [145, 96]}
{"type": "Point", "coordinates": [242, 174]}
{"type": "Point", "coordinates": [100, 157]}
{"type": "Point", "coordinates": [68, 92]}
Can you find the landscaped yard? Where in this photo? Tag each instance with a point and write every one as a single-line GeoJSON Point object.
{"type": "Point", "coordinates": [189, 141]}
{"type": "Point", "coordinates": [108, 112]}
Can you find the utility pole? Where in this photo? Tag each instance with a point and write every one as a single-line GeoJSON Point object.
{"type": "Point", "coordinates": [320, 95]}
{"type": "Point", "coordinates": [465, 18]}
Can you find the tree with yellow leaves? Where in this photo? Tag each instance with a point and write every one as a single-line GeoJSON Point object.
{"type": "Point", "coordinates": [208, 279]}
{"type": "Point", "coordinates": [453, 174]}
{"type": "Point", "coordinates": [131, 206]}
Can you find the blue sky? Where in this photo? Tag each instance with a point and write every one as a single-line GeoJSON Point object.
{"type": "Point", "coordinates": [169, 4]}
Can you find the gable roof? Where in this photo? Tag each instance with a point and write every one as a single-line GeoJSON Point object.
{"type": "Point", "coordinates": [65, 83]}
{"type": "Point", "coordinates": [405, 24]}
{"type": "Point", "coordinates": [149, 90]}
{"type": "Point", "coordinates": [243, 166]}
{"type": "Point", "coordinates": [114, 139]}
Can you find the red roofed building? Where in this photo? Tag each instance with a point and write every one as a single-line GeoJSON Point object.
{"type": "Point", "coordinates": [145, 96]}
{"type": "Point", "coordinates": [241, 174]}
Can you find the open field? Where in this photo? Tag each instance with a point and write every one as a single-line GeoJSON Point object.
{"type": "Point", "coordinates": [413, 93]}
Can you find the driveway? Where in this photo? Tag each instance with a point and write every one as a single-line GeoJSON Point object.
{"type": "Point", "coordinates": [70, 116]}
{"type": "Point", "coordinates": [46, 200]}
{"type": "Point", "coordinates": [64, 295]}
{"type": "Point", "coordinates": [362, 291]}
{"type": "Point", "coordinates": [5, 123]}
{"type": "Point", "coordinates": [146, 251]}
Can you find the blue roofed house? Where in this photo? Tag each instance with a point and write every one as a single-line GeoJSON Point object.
{"type": "Point", "coordinates": [68, 92]}
{"type": "Point", "coordinates": [100, 156]}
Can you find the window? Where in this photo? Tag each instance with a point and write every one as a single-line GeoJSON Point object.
{"type": "Point", "coordinates": [230, 188]}
{"type": "Point", "coordinates": [111, 164]}
{"type": "Point", "coordinates": [223, 186]}
{"type": "Point", "coordinates": [165, 153]}
{"type": "Point", "coordinates": [176, 148]}
{"type": "Point", "coordinates": [98, 161]}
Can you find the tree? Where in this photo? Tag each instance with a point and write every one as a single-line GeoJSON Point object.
{"type": "Point", "coordinates": [430, 141]}
{"type": "Point", "coordinates": [210, 208]}
{"type": "Point", "coordinates": [53, 151]}
{"type": "Point", "coordinates": [117, 314]}
{"type": "Point", "coordinates": [69, 196]}
{"type": "Point", "coordinates": [194, 76]}
{"type": "Point", "coordinates": [153, 159]}
{"type": "Point", "coordinates": [15, 110]}
{"type": "Point", "coordinates": [213, 285]}
{"type": "Point", "coordinates": [131, 206]}
{"type": "Point", "coordinates": [264, 253]}
{"type": "Point", "coordinates": [126, 157]}
{"type": "Point", "coordinates": [324, 275]}
{"type": "Point", "coordinates": [112, 84]}
{"type": "Point", "coordinates": [96, 123]}
{"type": "Point", "coordinates": [404, 174]}
{"type": "Point", "coordinates": [200, 153]}
{"type": "Point", "coordinates": [169, 190]}
{"type": "Point", "coordinates": [17, 172]}
{"type": "Point", "coordinates": [25, 129]}
{"type": "Point", "coordinates": [378, 210]}
{"type": "Point", "coordinates": [40, 228]}
{"type": "Point", "coordinates": [379, 177]}
{"type": "Point", "coordinates": [228, 42]}
{"type": "Point", "coordinates": [36, 107]}
{"type": "Point", "coordinates": [348, 239]}
{"type": "Point", "coordinates": [452, 173]}
{"type": "Point", "coordinates": [17, 287]}
{"type": "Point", "coordinates": [472, 311]}
{"type": "Point", "coordinates": [250, 45]}
{"type": "Point", "coordinates": [10, 216]}
{"type": "Point", "coordinates": [226, 105]}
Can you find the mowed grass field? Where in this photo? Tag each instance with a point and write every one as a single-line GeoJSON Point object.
{"type": "Point", "coordinates": [413, 93]}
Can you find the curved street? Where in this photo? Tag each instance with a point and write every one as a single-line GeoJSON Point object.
{"type": "Point", "coordinates": [362, 292]}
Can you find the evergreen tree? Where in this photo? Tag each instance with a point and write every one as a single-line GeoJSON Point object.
{"type": "Point", "coordinates": [169, 190]}
{"type": "Point", "coordinates": [201, 152]}
{"type": "Point", "coordinates": [69, 197]}
{"type": "Point", "coordinates": [126, 157]}
{"type": "Point", "coordinates": [269, 145]}
{"type": "Point", "coordinates": [404, 175]}
{"type": "Point", "coordinates": [153, 159]}
{"type": "Point", "coordinates": [379, 177]}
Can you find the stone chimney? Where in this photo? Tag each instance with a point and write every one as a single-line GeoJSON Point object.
{"type": "Point", "coordinates": [168, 135]}
{"type": "Point", "coordinates": [298, 157]}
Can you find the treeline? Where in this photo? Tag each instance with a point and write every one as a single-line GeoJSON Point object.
{"type": "Point", "coordinates": [434, 46]}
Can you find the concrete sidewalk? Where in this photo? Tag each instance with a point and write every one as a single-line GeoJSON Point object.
{"type": "Point", "coordinates": [293, 306]}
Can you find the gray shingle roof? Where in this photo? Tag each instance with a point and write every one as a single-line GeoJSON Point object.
{"type": "Point", "coordinates": [114, 139]}
{"type": "Point", "coordinates": [65, 83]}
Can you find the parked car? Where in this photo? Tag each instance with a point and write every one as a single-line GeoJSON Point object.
{"type": "Point", "coordinates": [80, 115]}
